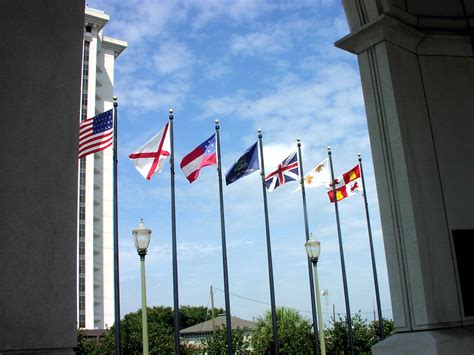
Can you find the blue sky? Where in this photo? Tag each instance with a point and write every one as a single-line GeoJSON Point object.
{"type": "Point", "coordinates": [250, 64]}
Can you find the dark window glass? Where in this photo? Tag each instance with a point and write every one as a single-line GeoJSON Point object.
{"type": "Point", "coordinates": [463, 245]}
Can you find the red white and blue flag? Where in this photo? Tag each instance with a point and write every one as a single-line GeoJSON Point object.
{"type": "Point", "coordinates": [96, 134]}
{"type": "Point", "coordinates": [288, 170]}
{"type": "Point", "coordinates": [151, 156]}
{"type": "Point", "coordinates": [203, 155]}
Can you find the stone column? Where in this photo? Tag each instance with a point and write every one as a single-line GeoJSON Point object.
{"type": "Point", "coordinates": [40, 80]}
{"type": "Point", "coordinates": [417, 74]}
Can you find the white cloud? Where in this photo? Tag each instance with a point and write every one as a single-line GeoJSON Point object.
{"type": "Point", "coordinates": [258, 43]}
{"type": "Point", "coordinates": [319, 108]}
{"type": "Point", "coordinates": [144, 96]}
{"type": "Point", "coordinates": [237, 10]}
{"type": "Point", "coordinates": [216, 70]}
{"type": "Point", "coordinates": [293, 36]}
{"type": "Point", "coordinates": [173, 58]}
{"type": "Point", "coordinates": [139, 20]}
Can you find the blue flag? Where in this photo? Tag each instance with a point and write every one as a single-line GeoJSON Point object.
{"type": "Point", "coordinates": [246, 165]}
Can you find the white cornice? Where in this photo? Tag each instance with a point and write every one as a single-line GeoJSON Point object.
{"type": "Point", "coordinates": [385, 28]}
{"type": "Point", "coordinates": [96, 18]}
{"type": "Point", "coordinates": [117, 45]}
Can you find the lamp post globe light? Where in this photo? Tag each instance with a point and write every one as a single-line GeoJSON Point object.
{"type": "Point", "coordinates": [313, 249]}
{"type": "Point", "coordinates": [142, 236]}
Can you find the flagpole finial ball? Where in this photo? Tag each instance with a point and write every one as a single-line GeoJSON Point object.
{"type": "Point", "coordinates": [298, 140]}
{"type": "Point", "coordinates": [259, 130]}
{"type": "Point", "coordinates": [329, 148]}
{"type": "Point", "coordinates": [170, 111]}
{"type": "Point", "coordinates": [216, 121]}
{"type": "Point", "coordinates": [359, 155]}
{"type": "Point", "coordinates": [115, 98]}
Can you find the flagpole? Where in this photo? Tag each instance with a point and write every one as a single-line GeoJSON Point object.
{"type": "Point", "coordinates": [118, 349]}
{"type": "Point", "coordinates": [372, 254]}
{"type": "Point", "coordinates": [341, 251]}
{"type": "Point", "coordinates": [173, 241]}
{"type": "Point", "coordinates": [224, 247]}
{"type": "Point", "coordinates": [269, 248]}
{"type": "Point", "coordinates": [310, 268]}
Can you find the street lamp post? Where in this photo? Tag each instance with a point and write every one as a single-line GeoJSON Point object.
{"type": "Point", "coordinates": [142, 236]}
{"type": "Point", "coordinates": [313, 248]}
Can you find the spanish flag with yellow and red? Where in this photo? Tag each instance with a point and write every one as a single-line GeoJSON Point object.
{"type": "Point", "coordinates": [346, 185]}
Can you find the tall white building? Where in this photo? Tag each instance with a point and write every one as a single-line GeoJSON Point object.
{"type": "Point", "coordinates": [95, 301]}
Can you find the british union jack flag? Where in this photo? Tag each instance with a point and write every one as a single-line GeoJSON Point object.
{"type": "Point", "coordinates": [288, 170]}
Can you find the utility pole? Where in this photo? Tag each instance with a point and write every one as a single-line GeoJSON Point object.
{"type": "Point", "coordinates": [213, 312]}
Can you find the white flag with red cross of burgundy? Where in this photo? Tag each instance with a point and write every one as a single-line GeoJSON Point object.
{"type": "Point", "coordinates": [150, 157]}
{"type": "Point", "coordinates": [346, 185]}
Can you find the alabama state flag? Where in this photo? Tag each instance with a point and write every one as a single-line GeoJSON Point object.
{"type": "Point", "coordinates": [150, 157]}
{"type": "Point", "coordinates": [346, 185]}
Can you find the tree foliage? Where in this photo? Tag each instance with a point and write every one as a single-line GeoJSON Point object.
{"type": "Point", "coordinates": [364, 334]}
{"type": "Point", "coordinates": [103, 345]}
{"type": "Point", "coordinates": [294, 333]}
{"type": "Point", "coordinates": [217, 343]}
{"type": "Point", "coordinates": [160, 331]}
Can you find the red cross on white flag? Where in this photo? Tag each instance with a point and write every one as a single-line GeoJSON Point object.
{"type": "Point", "coordinates": [150, 157]}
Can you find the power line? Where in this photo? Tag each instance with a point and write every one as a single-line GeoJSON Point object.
{"type": "Point", "coordinates": [295, 309]}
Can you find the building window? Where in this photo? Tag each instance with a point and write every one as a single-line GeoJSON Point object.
{"type": "Point", "coordinates": [82, 189]}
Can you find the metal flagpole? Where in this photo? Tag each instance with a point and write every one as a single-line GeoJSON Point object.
{"type": "Point", "coordinates": [372, 254]}
{"type": "Point", "coordinates": [269, 248]}
{"type": "Point", "coordinates": [118, 349]}
{"type": "Point", "coordinates": [173, 241]}
{"type": "Point", "coordinates": [224, 247]}
{"type": "Point", "coordinates": [341, 251]}
{"type": "Point", "coordinates": [310, 268]}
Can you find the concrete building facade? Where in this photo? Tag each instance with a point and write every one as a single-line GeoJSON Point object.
{"type": "Point", "coordinates": [40, 73]}
{"type": "Point", "coordinates": [416, 60]}
{"type": "Point", "coordinates": [95, 297]}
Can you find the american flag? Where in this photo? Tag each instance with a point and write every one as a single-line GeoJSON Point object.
{"type": "Point", "coordinates": [96, 133]}
{"type": "Point", "coordinates": [288, 170]}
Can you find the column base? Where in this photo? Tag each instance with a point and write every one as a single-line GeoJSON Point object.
{"type": "Point", "coordinates": [457, 341]}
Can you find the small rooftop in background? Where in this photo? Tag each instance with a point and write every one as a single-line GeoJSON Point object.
{"type": "Point", "coordinates": [206, 327]}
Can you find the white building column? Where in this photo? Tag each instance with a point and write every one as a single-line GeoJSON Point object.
{"type": "Point", "coordinates": [90, 190]}
{"type": "Point", "coordinates": [98, 251]}
{"type": "Point", "coordinates": [418, 82]}
{"type": "Point", "coordinates": [106, 92]}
